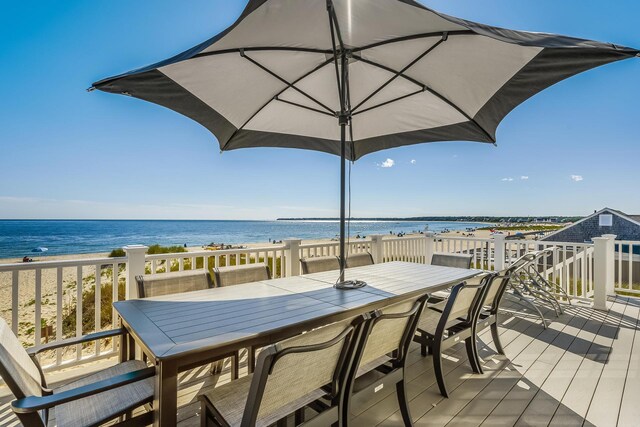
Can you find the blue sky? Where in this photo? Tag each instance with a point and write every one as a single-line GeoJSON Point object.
{"type": "Point", "coordinates": [67, 153]}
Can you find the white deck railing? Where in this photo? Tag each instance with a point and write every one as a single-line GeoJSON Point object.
{"type": "Point", "coordinates": [627, 269]}
{"type": "Point", "coordinates": [273, 256]}
{"type": "Point", "coordinates": [55, 300]}
{"type": "Point", "coordinates": [72, 298]}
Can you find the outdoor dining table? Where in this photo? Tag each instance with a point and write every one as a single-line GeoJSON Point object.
{"type": "Point", "coordinates": [183, 331]}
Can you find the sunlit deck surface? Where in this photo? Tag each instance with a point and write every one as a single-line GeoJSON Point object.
{"type": "Point", "coordinates": [583, 370]}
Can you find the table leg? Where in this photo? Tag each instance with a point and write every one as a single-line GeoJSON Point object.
{"type": "Point", "coordinates": [165, 400]}
{"type": "Point", "coordinates": [127, 348]}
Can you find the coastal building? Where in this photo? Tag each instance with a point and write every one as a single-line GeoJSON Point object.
{"type": "Point", "coordinates": [605, 221]}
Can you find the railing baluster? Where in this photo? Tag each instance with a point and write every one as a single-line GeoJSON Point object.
{"type": "Point", "coordinates": [38, 307]}
{"type": "Point", "coordinates": [98, 303]}
{"type": "Point", "coordinates": [79, 310]}
{"type": "Point", "coordinates": [15, 295]}
{"type": "Point", "coordinates": [59, 295]}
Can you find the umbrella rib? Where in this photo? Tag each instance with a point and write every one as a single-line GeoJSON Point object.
{"type": "Point", "coordinates": [295, 104]}
{"type": "Point", "coordinates": [413, 37]}
{"type": "Point", "coordinates": [291, 85]}
{"type": "Point", "coordinates": [431, 91]}
{"type": "Point", "coordinates": [382, 104]}
{"type": "Point", "coordinates": [401, 72]}
{"type": "Point", "coordinates": [262, 49]}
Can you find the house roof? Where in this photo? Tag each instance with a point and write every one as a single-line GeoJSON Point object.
{"type": "Point", "coordinates": [633, 218]}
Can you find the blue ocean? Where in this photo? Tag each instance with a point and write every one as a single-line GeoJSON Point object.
{"type": "Point", "coordinates": [62, 237]}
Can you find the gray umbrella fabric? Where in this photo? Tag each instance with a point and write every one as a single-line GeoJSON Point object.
{"type": "Point", "coordinates": [298, 73]}
{"type": "Point", "coordinates": [415, 76]}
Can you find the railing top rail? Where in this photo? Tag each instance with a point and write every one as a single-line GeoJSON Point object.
{"type": "Point", "coordinates": [219, 252]}
{"type": "Point", "coordinates": [627, 242]}
{"type": "Point", "coordinates": [399, 239]}
{"type": "Point", "coordinates": [60, 263]}
{"type": "Point", "coordinates": [470, 239]}
{"type": "Point", "coordinates": [548, 243]}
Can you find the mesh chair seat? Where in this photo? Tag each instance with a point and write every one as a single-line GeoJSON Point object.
{"type": "Point", "coordinates": [319, 264]}
{"type": "Point", "coordinates": [100, 407]}
{"type": "Point", "coordinates": [240, 274]}
{"type": "Point", "coordinates": [452, 260]}
{"type": "Point", "coordinates": [230, 401]}
{"type": "Point", "coordinates": [430, 317]}
{"type": "Point", "coordinates": [154, 285]}
{"type": "Point", "coordinates": [359, 260]}
{"type": "Point", "coordinates": [289, 375]}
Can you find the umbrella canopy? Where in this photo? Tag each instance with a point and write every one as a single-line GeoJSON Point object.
{"type": "Point", "coordinates": [298, 73]}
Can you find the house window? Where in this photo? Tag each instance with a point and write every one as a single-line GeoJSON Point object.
{"type": "Point", "coordinates": [606, 220]}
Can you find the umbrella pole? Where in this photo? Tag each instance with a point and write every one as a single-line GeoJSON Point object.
{"type": "Point", "coordinates": [343, 254]}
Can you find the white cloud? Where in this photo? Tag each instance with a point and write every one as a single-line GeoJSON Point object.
{"type": "Point", "coordinates": [509, 179]}
{"type": "Point", "coordinates": [413, 161]}
{"type": "Point", "coordinates": [387, 163]}
{"type": "Point", "coordinates": [577, 178]}
{"type": "Point", "coordinates": [524, 177]}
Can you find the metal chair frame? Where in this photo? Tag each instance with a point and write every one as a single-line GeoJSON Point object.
{"type": "Point", "coordinates": [394, 370]}
{"type": "Point", "coordinates": [33, 411]}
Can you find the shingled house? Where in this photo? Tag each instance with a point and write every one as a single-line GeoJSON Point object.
{"type": "Point", "coordinates": [608, 221]}
{"type": "Point", "coordinates": [605, 221]}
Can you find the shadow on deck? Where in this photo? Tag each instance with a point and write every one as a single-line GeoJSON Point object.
{"type": "Point", "coordinates": [584, 369]}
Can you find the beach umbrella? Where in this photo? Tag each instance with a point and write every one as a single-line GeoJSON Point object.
{"type": "Point", "coordinates": [351, 77]}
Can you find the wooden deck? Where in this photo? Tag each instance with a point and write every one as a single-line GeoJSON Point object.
{"type": "Point", "coordinates": [584, 369]}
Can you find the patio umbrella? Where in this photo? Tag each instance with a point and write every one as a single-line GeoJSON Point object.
{"type": "Point", "coordinates": [351, 77]}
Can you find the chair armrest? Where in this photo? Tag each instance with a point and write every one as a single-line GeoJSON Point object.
{"type": "Point", "coordinates": [36, 403]}
{"type": "Point", "coordinates": [73, 341]}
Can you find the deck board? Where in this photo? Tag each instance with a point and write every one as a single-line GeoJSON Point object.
{"type": "Point", "coordinates": [583, 370]}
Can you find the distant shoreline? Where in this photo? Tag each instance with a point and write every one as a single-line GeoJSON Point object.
{"type": "Point", "coordinates": [485, 219]}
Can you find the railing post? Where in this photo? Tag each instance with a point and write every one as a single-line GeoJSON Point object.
{"type": "Point", "coordinates": [499, 252]}
{"type": "Point", "coordinates": [429, 246]}
{"type": "Point", "coordinates": [604, 270]}
{"type": "Point", "coordinates": [377, 248]}
{"type": "Point", "coordinates": [135, 267]}
{"type": "Point", "coordinates": [292, 257]}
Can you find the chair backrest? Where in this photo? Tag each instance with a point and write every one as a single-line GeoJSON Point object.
{"type": "Point", "coordinates": [359, 260]}
{"type": "Point", "coordinates": [391, 331]}
{"type": "Point", "coordinates": [298, 366]}
{"type": "Point", "coordinates": [155, 285]}
{"type": "Point", "coordinates": [452, 260]}
{"type": "Point", "coordinates": [319, 264]}
{"type": "Point", "coordinates": [464, 302]}
{"type": "Point", "coordinates": [239, 274]}
{"type": "Point", "coordinates": [495, 287]}
{"type": "Point", "coordinates": [17, 369]}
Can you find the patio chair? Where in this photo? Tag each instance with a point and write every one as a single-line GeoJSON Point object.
{"type": "Point", "coordinates": [448, 260]}
{"type": "Point", "coordinates": [449, 322]}
{"type": "Point", "coordinates": [319, 264]}
{"type": "Point", "coordinates": [380, 359]}
{"type": "Point", "coordinates": [154, 285]}
{"type": "Point", "coordinates": [289, 376]}
{"type": "Point", "coordinates": [240, 274]}
{"type": "Point", "coordinates": [359, 260]}
{"type": "Point", "coordinates": [527, 291]}
{"type": "Point", "coordinates": [95, 399]}
{"type": "Point", "coordinates": [488, 316]}
{"type": "Point", "coordinates": [452, 260]}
